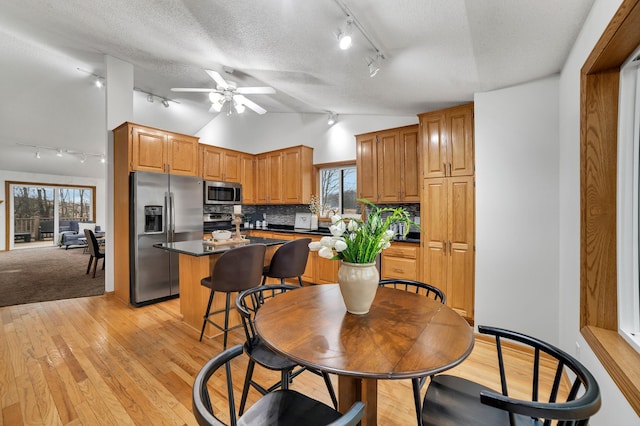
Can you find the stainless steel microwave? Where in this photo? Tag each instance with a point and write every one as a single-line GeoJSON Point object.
{"type": "Point", "coordinates": [222, 193]}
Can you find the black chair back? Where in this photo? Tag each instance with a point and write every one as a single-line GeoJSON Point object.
{"type": "Point", "coordinates": [238, 269]}
{"type": "Point", "coordinates": [290, 260]}
{"type": "Point", "coordinates": [416, 287]}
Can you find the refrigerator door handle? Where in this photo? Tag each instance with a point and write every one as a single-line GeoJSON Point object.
{"type": "Point", "coordinates": [167, 213]}
{"type": "Point", "coordinates": [173, 215]}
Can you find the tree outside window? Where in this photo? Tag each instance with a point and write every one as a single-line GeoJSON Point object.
{"type": "Point", "coordinates": [338, 191]}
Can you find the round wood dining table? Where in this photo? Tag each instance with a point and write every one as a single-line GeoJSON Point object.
{"type": "Point", "coordinates": [404, 335]}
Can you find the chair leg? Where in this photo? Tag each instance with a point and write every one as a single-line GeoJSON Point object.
{"type": "Point", "coordinates": [226, 321]}
{"type": "Point", "coordinates": [284, 379]}
{"type": "Point", "coordinates": [95, 266]}
{"type": "Point", "coordinates": [206, 315]}
{"type": "Point", "coordinates": [332, 394]}
{"type": "Point", "coordinates": [300, 281]}
{"type": "Point", "coordinates": [89, 265]}
{"type": "Point", "coordinates": [264, 279]}
{"type": "Point", "coordinates": [247, 384]}
{"type": "Point", "coordinates": [416, 398]}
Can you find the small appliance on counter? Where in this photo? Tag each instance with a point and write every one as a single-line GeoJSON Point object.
{"type": "Point", "coordinates": [302, 222]}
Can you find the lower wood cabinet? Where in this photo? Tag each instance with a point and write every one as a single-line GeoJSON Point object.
{"type": "Point", "coordinates": [401, 261]}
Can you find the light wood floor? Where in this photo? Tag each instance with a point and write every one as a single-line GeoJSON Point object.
{"type": "Point", "coordinates": [95, 361]}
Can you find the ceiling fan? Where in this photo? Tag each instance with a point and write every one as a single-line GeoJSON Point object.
{"type": "Point", "coordinates": [226, 92]}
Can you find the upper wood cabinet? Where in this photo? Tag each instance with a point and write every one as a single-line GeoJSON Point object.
{"type": "Point", "coordinates": [248, 178]}
{"type": "Point", "coordinates": [220, 164]}
{"type": "Point", "coordinates": [154, 150]}
{"type": "Point", "coordinates": [387, 163]}
{"type": "Point", "coordinates": [284, 176]}
{"type": "Point", "coordinates": [447, 142]}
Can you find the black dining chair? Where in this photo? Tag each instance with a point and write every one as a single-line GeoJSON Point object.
{"type": "Point", "coordinates": [248, 303]}
{"type": "Point", "coordinates": [430, 292]}
{"type": "Point", "coordinates": [94, 251]}
{"type": "Point", "coordinates": [572, 399]}
{"type": "Point", "coordinates": [234, 271]}
{"type": "Point", "coordinates": [289, 261]}
{"type": "Point", "coordinates": [279, 408]}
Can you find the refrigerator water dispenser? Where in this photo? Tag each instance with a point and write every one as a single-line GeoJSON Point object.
{"type": "Point", "coordinates": [152, 219]}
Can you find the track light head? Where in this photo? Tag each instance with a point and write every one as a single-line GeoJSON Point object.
{"type": "Point", "coordinates": [37, 154]}
{"type": "Point", "coordinates": [344, 37]}
{"type": "Point", "coordinates": [165, 103]}
{"type": "Point", "coordinates": [333, 118]}
{"type": "Point", "coordinates": [59, 153]}
{"type": "Point", "coordinates": [99, 83]}
{"type": "Point", "coordinates": [374, 65]}
{"type": "Point", "coordinates": [150, 99]}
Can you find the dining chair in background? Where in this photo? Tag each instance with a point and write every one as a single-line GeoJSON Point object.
{"type": "Point", "coordinates": [248, 303]}
{"type": "Point", "coordinates": [279, 408]}
{"type": "Point", "coordinates": [94, 251]}
{"type": "Point", "coordinates": [430, 292]}
{"type": "Point", "coordinates": [235, 270]}
{"type": "Point", "coordinates": [289, 261]}
{"type": "Point", "coordinates": [572, 399]}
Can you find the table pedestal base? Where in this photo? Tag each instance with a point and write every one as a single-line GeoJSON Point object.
{"type": "Point", "coordinates": [352, 389]}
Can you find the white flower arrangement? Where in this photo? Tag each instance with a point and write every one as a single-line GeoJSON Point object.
{"type": "Point", "coordinates": [357, 241]}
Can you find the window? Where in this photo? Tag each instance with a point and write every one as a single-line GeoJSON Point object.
{"type": "Point", "coordinates": [338, 191]}
{"type": "Point", "coordinates": [628, 202]}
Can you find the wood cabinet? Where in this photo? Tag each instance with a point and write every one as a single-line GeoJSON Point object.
{"type": "Point", "coordinates": [154, 150]}
{"type": "Point", "coordinates": [388, 165]}
{"type": "Point", "coordinates": [248, 178]}
{"type": "Point", "coordinates": [447, 142]}
{"type": "Point", "coordinates": [448, 236]}
{"type": "Point", "coordinates": [220, 164]}
{"type": "Point", "coordinates": [284, 176]}
{"type": "Point", "coordinates": [401, 260]}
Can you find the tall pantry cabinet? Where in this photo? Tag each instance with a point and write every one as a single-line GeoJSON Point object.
{"type": "Point", "coordinates": [447, 206]}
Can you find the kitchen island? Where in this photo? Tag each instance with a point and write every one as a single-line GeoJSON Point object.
{"type": "Point", "coordinates": [195, 262]}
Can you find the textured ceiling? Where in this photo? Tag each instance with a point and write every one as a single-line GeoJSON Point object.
{"type": "Point", "coordinates": [438, 52]}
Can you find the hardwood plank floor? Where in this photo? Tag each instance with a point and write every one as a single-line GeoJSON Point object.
{"type": "Point", "coordinates": [96, 361]}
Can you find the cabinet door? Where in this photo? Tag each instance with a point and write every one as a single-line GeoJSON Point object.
{"type": "Point", "coordinates": [460, 140]}
{"type": "Point", "coordinates": [434, 150]}
{"type": "Point", "coordinates": [326, 271]}
{"type": "Point", "coordinates": [409, 152]}
{"type": "Point", "coordinates": [387, 152]}
{"type": "Point", "coordinates": [460, 250]}
{"type": "Point", "coordinates": [182, 155]}
{"type": "Point", "coordinates": [367, 167]}
{"type": "Point", "coordinates": [212, 163]}
{"type": "Point", "coordinates": [232, 167]}
{"type": "Point", "coordinates": [291, 173]}
{"type": "Point", "coordinates": [262, 179]}
{"type": "Point", "coordinates": [149, 150]}
{"type": "Point", "coordinates": [433, 220]}
{"type": "Point", "coordinates": [274, 171]}
{"type": "Point", "coordinates": [247, 178]}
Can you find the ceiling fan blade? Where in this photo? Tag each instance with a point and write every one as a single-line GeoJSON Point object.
{"type": "Point", "coordinates": [191, 89]}
{"type": "Point", "coordinates": [217, 78]}
{"type": "Point", "coordinates": [256, 90]}
{"type": "Point", "coordinates": [246, 102]}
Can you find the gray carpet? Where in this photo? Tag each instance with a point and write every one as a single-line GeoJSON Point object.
{"type": "Point", "coordinates": [48, 273]}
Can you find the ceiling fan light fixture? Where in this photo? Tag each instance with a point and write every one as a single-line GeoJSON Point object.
{"type": "Point", "coordinates": [344, 37]}
{"type": "Point", "coordinates": [239, 107]}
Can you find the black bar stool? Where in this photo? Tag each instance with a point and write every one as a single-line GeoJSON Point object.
{"type": "Point", "coordinates": [236, 270]}
{"type": "Point", "coordinates": [289, 261]}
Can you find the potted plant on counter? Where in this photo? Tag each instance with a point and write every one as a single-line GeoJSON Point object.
{"type": "Point", "coordinates": [357, 243]}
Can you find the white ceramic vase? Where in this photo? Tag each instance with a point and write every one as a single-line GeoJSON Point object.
{"type": "Point", "coordinates": [358, 285]}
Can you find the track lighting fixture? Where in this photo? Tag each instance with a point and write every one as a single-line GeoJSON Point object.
{"type": "Point", "coordinates": [333, 118]}
{"type": "Point", "coordinates": [150, 99]}
{"type": "Point", "coordinates": [352, 21]}
{"type": "Point", "coordinates": [344, 37]}
{"type": "Point", "coordinates": [59, 152]}
{"type": "Point", "coordinates": [165, 103]}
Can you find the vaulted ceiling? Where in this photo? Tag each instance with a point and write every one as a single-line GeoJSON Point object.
{"type": "Point", "coordinates": [437, 53]}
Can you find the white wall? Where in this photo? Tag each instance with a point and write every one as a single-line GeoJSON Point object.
{"type": "Point", "coordinates": [45, 178]}
{"type": "Point", "coordinates": [615, 409]}
{"type": "Point", "coordinates": [260, 133]}
{"type": "Point", "coordinates": [516, 149]}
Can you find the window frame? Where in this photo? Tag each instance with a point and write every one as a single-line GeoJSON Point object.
{"type": "Point", "coordinates": [318, 174]}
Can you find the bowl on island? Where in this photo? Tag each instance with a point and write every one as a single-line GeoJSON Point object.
{"type": "Point", "coordinates": [221, 235]}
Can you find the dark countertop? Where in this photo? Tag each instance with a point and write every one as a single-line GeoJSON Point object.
{"type": "Point", "coordinates": [200, 248]}
{"type": "Point", "coordinates": [412, 237]}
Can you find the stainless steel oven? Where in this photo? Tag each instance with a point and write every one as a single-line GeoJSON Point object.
{"type": "Point", "coordinates": [222, 193]}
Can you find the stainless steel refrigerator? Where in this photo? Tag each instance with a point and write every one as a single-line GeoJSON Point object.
{"type": "Point", "coordinates": [164, 208]}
